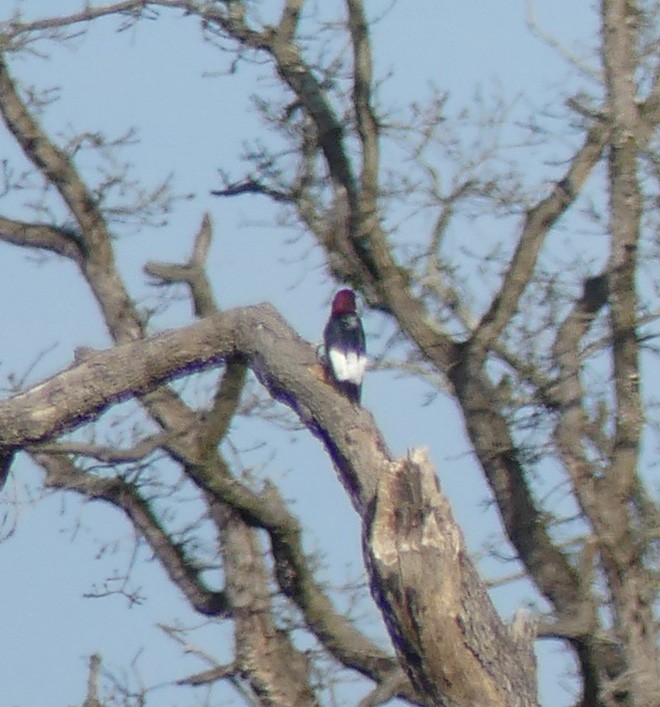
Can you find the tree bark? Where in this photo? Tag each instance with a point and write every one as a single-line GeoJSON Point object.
{"type": "Point", "coordinates": [454, 647]}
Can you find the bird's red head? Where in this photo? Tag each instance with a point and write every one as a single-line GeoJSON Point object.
{"type": "Point", "coordinates": [343, 303]}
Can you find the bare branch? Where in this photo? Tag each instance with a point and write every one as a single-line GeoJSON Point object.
{"type": "Point", "coordinates": [538, 222]}
{"type": "Point", "coordinates": [215, 673]}
{"type": "Point", "coordinates": [107, 455]}
{"type": "Point", "coordinates": [289, 19]}
{"type": "Point", "coordinates": [278, 673]}
{"type": "Point", "coordinates": [565, 52]}
{"type": "Point", "coordinates": [92, 699]}
{"type": "Point", "coordinates": [202, 244]}
{"type": "Point", "coordinates": [192, 273]}
{"type": "Point", "coordinates": [57, 167]}
{"type": "Point", "coordinates": [253, 186]}
{"type": "Point", "coordinates": [59, 240]}
{"type": "Point", "coordinates": [619, 54]}
{"type": "Point", "coordinates": [209, 676]}
{"type": "Point", "coordinates": [366, 120]}
{"type": "Point", "coordinates": [395, 685]}
{"type": "Point", "coordinates": [62, 474]}
{"type": "Point", "coordinates": [572, 425]}
{"type": "Point", "coordinates": [621, 555]}
{"type": "Point", "coordinates": [130, 7]}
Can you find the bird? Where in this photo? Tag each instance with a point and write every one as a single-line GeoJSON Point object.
{"type": "Point", "coordinates": [345, 347]}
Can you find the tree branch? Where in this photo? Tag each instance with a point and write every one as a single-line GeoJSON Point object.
{"type": "Point", "coordinates": [62, 474]}
{"type": "Point", "coordinates": [366, 120]}
{"type": "Point", "coordinates": [127, 7]}
{"type": "Point", "coordinates": [619, 37]}
{"type": "Point", "coordinates": [254, 186]}
{"type": "Point", "coordinates": [410, 536]}
{"type": "Point", "coordinates": [193, 273]}
{"type": "Point", "coordinates": [289, 19]}
{"type": "Point", "coordinates": [107, 455]}
{"type": "Point", "coordinates": [278, 673]}
{"type": "Point", "coordinates": [95, 242]}
{"type": "Point", "coordinates": [538, 222]}
{"type": "Point", "coordinates": [58, 240]}
{"type": "Point", "coordinates": [622, 557]}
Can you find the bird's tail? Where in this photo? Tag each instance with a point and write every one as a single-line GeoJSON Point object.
{"type": "Point", "coordinates": [352, 391]}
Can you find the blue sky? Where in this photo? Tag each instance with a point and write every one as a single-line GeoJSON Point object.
{"type": "Point", "coordinates": [153, 77]}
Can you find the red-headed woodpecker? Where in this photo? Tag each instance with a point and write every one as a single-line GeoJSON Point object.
{"type": "Point", "coordinates": [345, 350]}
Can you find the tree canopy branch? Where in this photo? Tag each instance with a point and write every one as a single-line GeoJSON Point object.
{"type": "Point", "coordinates": [97, 262]}
{"type": "Point", "coordinates": [61, 473]}
{"type": "Point", "coordinates": [539, 220]}
{"type": "Point", "coordinates": [58, 240]}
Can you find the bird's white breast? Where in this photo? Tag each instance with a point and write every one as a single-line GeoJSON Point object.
{"type": "Point", "coordinates": [348, 365]}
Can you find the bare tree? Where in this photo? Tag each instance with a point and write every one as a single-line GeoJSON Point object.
{"type": "Point", "coordinates": [525, 368]}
